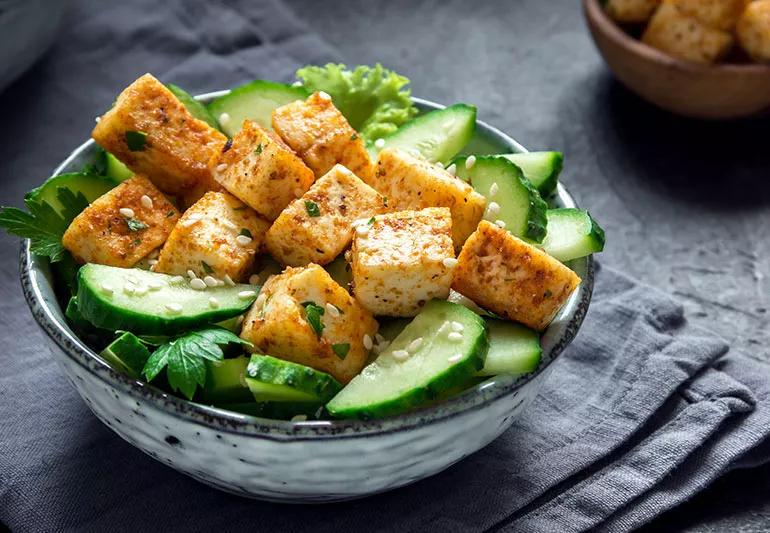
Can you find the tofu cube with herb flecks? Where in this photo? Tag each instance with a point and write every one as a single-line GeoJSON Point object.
{"type": "Point", "coordinates": [122, 226]}
{"type": "Point", "coordinates": [262, 171]}
{"type": "Point", "coordinates": [409, 182]}
{"type": "Point", "coordinates": [322, 136]}
{"type": "Point", "coordinates": [403, 261]}
{"type": "Point", "coordinates": [303, 315]}
{"type": "Point", "coordinates": [154, 134]}
{"type": "Point", "coordinates": [317, 227]}
{"type": "Point", "coordinates": [512, 278]}
{"type": "Point", "coordinates": [218, 237]}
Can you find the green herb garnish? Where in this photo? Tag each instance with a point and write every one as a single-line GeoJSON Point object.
{"type": "Point", "coordinates": [258, 149]}
{"type": "Point", "coordinates": [134, 224]}
{"type": "Point", "coordinates": [170, 214]}
{"type": "Point", "coordinates": [206, 267]}
{"type": "Point", "coordinates": [313, 313]}
{"type": "Point", "coordinates": [370, 222]}
{"type": "Point", "coordinates": [312, 208]}
{"type": "Point", "coordinates": [354, 137]}
{"type": "Point", "coordinates": [245, 232]}
{"type": "Point", "coordinates": [341, 350]}
{"type": "Point", "coordinates": [136, 140]}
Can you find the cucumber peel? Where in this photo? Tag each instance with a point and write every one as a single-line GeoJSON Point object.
{"type": "Point", "coordinates": [572, 233]}
{"type": "Point", "coordinates": [92, 186]}
{"type": "Point", "coordinates": [196, 108]}
{"type": "Point", "coordinates": [542, 169]}
{"type": "Point", "coordinates": [275, 380]}
{"type": "Point", "coordinates": [513, 349]}
{"type": "Point", "coordinates": [127, 354]}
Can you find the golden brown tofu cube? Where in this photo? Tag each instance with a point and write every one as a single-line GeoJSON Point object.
{"type": "Point", "coordinates": [718, 14]}
{"type": "Point", "coordinates": [684, 37]}
{"type": "Point", "coordinates": [409, 182]}
{"type": "Point", "coordinates": [321, 136]}
{"type": "Point", "coordinates": [261, 170]}
{"type": "Point", "coordinates": [512, 278]}
{"type": "Point", "coordinates": [317, 227]}
{"type": "Point", "coordinates": [153, 134]}
{"type": "Point", "coordinates": [631, 11]}
{"type": "Point", "coordinates": [218, 236]}
{"type": "Point", "coordinates": [754, 31]}
{"type": "Point", "coordinates": [122, 226]}
{"type": "Point", "coordinates": [278, 324]}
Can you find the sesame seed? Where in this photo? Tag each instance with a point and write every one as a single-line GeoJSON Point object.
{"type": "Point", "coordinates": [362, 230]}
{"type": "Point", "coordinates": [443, 328]}
{"type": "Point", "coordinates": [449, 262]}
{"type": "Point", "coordinates": [191, 274]}
{"type": "Point", "coordinates": [246, 294]}
{"type": "Point", "coordinates": [348, 255]}
{"type": "Point", "coordinates": [152, 267]}
{"type": "Point", "coordinates": [456, 357]}
{"type": "Point", "coordinates": [254, 279]}
{"type": "Point", "coordinates": [383, 345]}
{"type": "Point", "coordinates": [493, 189]}
{"type": "Point", "coordinates": [210, 281]}
{"type": "Point", "coordinates": [455, 336]}
{"type": "Point", "coordinates": [229, 280]}
{"type": "Point", "coordinates": [228, 224]}
{"type": "Point", "coordinates": [323, 95]}
{"type": "Point", "coordinates": [368, 342]}
{"type": "Point", "coordinates": [379, 338]}
{"type": "Point", "coordinates": [379, 144]}
{"type": "Point", "coordinates": [178, 279]}
{"type": "Point", "coordinates": [213, 302]}
{"type": "Point", "coordinates": [332, 310]}
{"type": "Point", "coordinates": [400, 355]}
{"type": "Point", "coordinates": [224, 118]}
{"type": "Point", "coordinates": [415, 345]}
{"type": "Point", "coordinates": [190, 220]}
{"type": "Point", "coordinates": [221, 167]}
{"type": "Point", "coordinates": [129, 288]}
{"type": "Point", "coordinates": [97, 119]}
{"type": "Point", "coordinates": [456, 326]}
{"type": "Point", "coordinates": [174, 307]}
{"type": "Point", "coordinates": [493, 209]}
{"type": "Point", "coordinates": [154, 254]}
{"type": "Point", "coordinates": [152, 262]}
{"type": "Point", "coordinates": [126, 212]}
{"type": "Point", "coordinates": [146, 201]}
{"type": "Point", "coordinates": [452, 169]}
{"type": "Point", "coordinates": [297, 84]}
{"type": "Point", "coordinates": [500, 223]}
{"type": "Point", "coordinates": [470, 162]}
{"type": "Point", "coordinates": [106, 288]}
{"type": "Point", "coordinates": [197, 284]}
{"type": "Point", "coordinates": [299, 418]}
{"type": "Point", "coordinates": [155, 285]}
{"type": "Point", "coordinates": [243, 240]}
{"type": "Point", "coordinates": [140, 290]}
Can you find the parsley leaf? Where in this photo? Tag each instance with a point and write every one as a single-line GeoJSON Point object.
{"type": "Point", "coordinates": [136, 140]}
{"type": "Point", "coordinates": [184, 358]}
{"type": "Point", "coordinates": [246, 233]}
{"type": "Point", "coordinates": [341, 350]}
{"type": "Point", "coordinates": [354, 137]}
{"type": "Point", "coordinates": [313, 313]}
{"type": "Point", "coordinates": [206, 267]}
{"type": "Point", "coordinates": [258, 150]}
{"type": "Point", "coordinates": [312, 208]}
{"type": "Point", "coordinates": [134, 224]}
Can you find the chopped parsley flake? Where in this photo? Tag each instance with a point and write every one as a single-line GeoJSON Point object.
{"type": "Point", "coordinates": [312, 208]}
{"type": "Point", "coordinates": [136, 140]}
{"type": "Point", "coordinates": [354, 137]}
{"type": "Point", "coordinates": [134, 224]}
{"type": "Point", "coordinates": [245, 232]}
{"type": "Point", "coordinates": [258, 149]}
{"type": "Point", "coordinates": [313, 313]}
{"type": "Point", "coordinates": [206, 267]}
{"type": "Point", "coordinates": [370, 222]}
{"type": "Point", "coordinates": [341, 350]}
{"type": "Point", "coordinates": [170, 214]}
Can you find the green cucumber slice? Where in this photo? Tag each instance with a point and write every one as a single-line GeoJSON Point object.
{"type": "Point", "coordinates": [274, 380]}
{"type": "Point", "coordinates": [444, 358]}
{"type": "Point", "coordinates": [75, 317]}
{"type": "Point", "coordinates": [127, 354]}
{"type": "Point", "coordinates": [115, 169]}
{"type": "Point", "coordinates": [542, 169]}
{"type": "Point", "coordinates": [172, 307]}
{"type": "Point", "coordinates": [196, 108]}
{"type": "Point", "coordinates": [254, 101]}
{"type": "Point", "coordinates": [521, 207]}
{"type": "Point", "coordinates": [275, 410]}
{"type": "Point", "coordinates": [92, 186]}
{"type": "Point", "coordinates": [437, 136]}
{"type": "Point", "coordinates": [513, 349]}
{"type": "Point", "coordinates": [572, 233]}
{"type": "Point", "coordinates": [226, 381]}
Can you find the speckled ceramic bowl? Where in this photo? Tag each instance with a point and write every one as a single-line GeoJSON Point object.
{"type": "Point", "coordinates": [314, 461]}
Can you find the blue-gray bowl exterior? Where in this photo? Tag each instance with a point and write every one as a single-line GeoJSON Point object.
{"type": "Point", "coordinates": [313, 461]}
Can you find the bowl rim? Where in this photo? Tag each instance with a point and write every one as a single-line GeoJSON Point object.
{"type": "Point", "coordinates": [475, 398]}
{"type": "Point", "coordinates": [612, 30]}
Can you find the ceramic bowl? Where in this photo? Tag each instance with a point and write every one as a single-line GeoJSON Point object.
{"type": "Point", "coordinates": [313, 461]}
{"type": "Point", "coordinates": [722, 91]}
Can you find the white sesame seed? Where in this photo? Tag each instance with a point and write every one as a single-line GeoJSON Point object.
{"type": "Point", "coordinates": [323, 95]}
{"type": "Point", "coordinates": [500, 223]}
{"type": "Point", "coordinates": [455, 336]}
{"type": "Point", "coordinates": [243, 240]}
{"type": "Point", "coordinates": [383, 345]}
{"type": "Point", "coordinates": [456, 326]}
{"type": "Point", "coordinates": [447, 124]}
{"type": "Point", "coordinates": [379, 144]}
{"type": "Point", "coordinates": [221, 167]}
{"type": "Point", "coordinates": [155, 285]}
{"type": "Point", "coordinates": [348, 255]}
{"type": "Point", "coordinates": [129, 288]}
{"type": "Point", "coordinates": [450, 262]}
{"type": "Point", "coordinates": [97, 119]}
{"type": "Point", "coordinates": [224, 118]}
{"type": "Point", "coordinates": [152, 262]}
{"type": "Point", "coordinates": [140, 290]}
{"type": "Point", "coordinates": [493, 189]}
{"type": "Point", "coordinates": [126, 212]}
{"type": "Point", "coordinates": [190, 220]}
{"type": "Point", "coordinates": [362, 230]}
{"type": "Point", "coordinates": [379, 338]}
{"type": "Point", "coordinates": [191, 274]}
{"type": "Point", "coordinates": [197, 284]}
{"type": "Point", "coordinates": [152, 267]}
{"type": "Point", "coordinates": [228, 280]}
{"type": "Point", "coordinates": [299, 418]}
{"type": "Point", "coordinates": [456, 357]}
{"type": "Point", "coordinates": [228, 224]}
{"type": "Point", "coordinates": [210, 281]}
{"type": "Point", "coordinates": [368, 342]}
{"type": "Point", "coordinates": [443, 328]}
{"type": "Point", "coordinates": [470, 161]}
{"type": "Point", "coordinates": [178, 279]}
{"type": "Point", "coordinates": [106, 288]}
{"type": "Point", "coordinates": [154, 254]}
{"type": "Point", "coordinates": [174, 307]}
{"type": "Point", "coordinates": [254, 279]}
{"type": "Point", "coordinates": [146, 201]}
{"type": "Point", "coordinates": [332, 310]}
{"type": "Point", "coordinates": [415, 345]}
{"type": "Point", "coordinates": [246, 294]}
{"type": "Point", "coordinates": [493, 209]}
{"type": "Point", "coordinates": [213, 302]}
{"type": "Point", "coordinates": [452, 169]}
{"type": "Point", "coordinates": [297, 84]}
{"type": "Point", "coordinates": [400, 355]}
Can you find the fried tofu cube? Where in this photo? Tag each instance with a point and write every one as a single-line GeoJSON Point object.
{"type": "Point", "coordinates": [317, 227]}
{"type": "Point", "coordinates": [409, 182]}
{"type": "Point", "coordinates": [754, 31]}
{"type": "Point", "coordinates": [218, 236]}
{"type": "Point", "coordinates": [718, 14]}
{"type": "Point", "coordinates": [261, 170]}
{"type": "Point", "coordinates": [122, 226]}
{"type": "Point", "coordinates": [322, 136]}
{"type": "Point", "coordinates": [404, 260]}
{"type": "Point", "coordinates": [683, 36]}
{"type": "Point", "coordinates": [512, 278]}
{"type": "Point", "coordinates": [152, 133]}
{"type": "Point", "coordinates": [631, 11]}
{"type": "Point", "coordinates": [304, 316]}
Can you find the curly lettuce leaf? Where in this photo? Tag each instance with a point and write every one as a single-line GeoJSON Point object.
{"type": "Point", "coordinates": [373, 99]}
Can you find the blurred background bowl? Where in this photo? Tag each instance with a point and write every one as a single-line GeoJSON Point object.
{"type": "Point", "coordinates": [27, 29]}
{"type": "Point", "coordinates": [721, 91]}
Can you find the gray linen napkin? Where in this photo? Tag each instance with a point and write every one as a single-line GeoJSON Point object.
{"type": "Point", "coordinates": [640, 413]}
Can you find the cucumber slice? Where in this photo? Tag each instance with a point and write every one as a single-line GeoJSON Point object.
{"type": "Point", "coordinates": [521, 207]}
{"type": "Point", "coordinates": [92, 186]}
{"type": "Point", "coordinates": [196, 108]}
{"type": "Point", "coordinates": [274, 380]}
{"type": "Point", "coordinates": [254, 101]}
{"type": "Point", "coordinates": [542, 169]}
{"type": "Point", "coordinates": [276, 410]}
{"type": "Point", "coordinates": [393, 384]}
{"type": "Point", "coordinates": [115, 169]}
{"type": "Point", "coordinates": [572, 233]}
{"type": "Point", "coordinates": [173, 307]}
{"type": "Point", "coordinates": [75, 317]}
{"type": "Point", "coordinates": [437, 135]}
{"type": "Point", "coordinates": [226, 381]}
{"type": "Point", "coordinates": [127, 354]}
{"type": "Point", "coordinates": [340, 271]}
{"type": "Point", "coordinates": [513, 349]}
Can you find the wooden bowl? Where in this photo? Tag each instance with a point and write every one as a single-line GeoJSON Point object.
{"type": "Point", "coordinates": [702, 91]}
